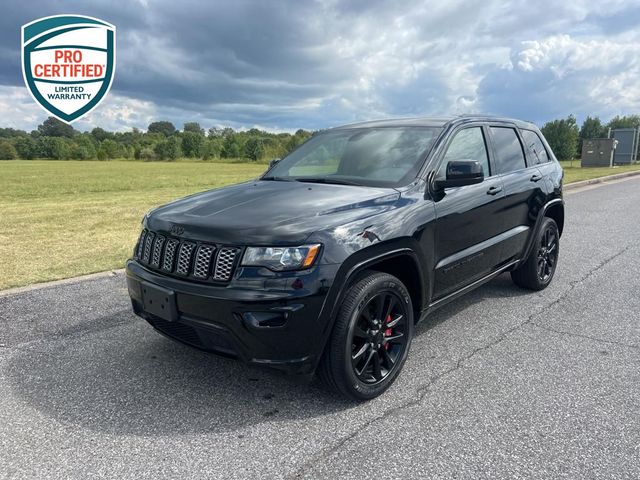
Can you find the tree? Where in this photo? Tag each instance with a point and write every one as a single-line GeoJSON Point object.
{"type": "Point", "coordinates": [231, 147]}
{"type": "Point", "coordinates": [212, 148]}
{"type": "Point", "coordinates": [26, 147]}
{"type": "Point", "coordinates": [52, 127]}
{"type": "Point", "coordinates": [591, 128]}
{"type": "Point", "coordinates": [109, 149]}
{"type": "Point", "coordinates": [168, 149]}
{"type": "Point", "coordinates": [254, 148]}
{"type": "Point", "coordinates": [192, 144]}
{"type": "Point", "coordinates": [7, 151]}
{"type": "Point", "coordinates": [11, 132]}
{"type": "Point", "coordinates": [146, 154]}
{"type": "Point", "coordinates": [100, 134]}
{"type": "Point", "coordinates": [56, 148]}
{"type": "Point", "coordinates": [56, 140]}
{"type": "Point", "coordinates": [221, 132]}
{"type": "Point", "coordinates": [627, 121]}
{"type": "Point", "coordinates": [215, 132]}
{"type": "Point", "coordinates": [164, 127]}
{"type": "Point", "coordinates": [193, 127]}
{"type": "Point", "coordinates": [83, 147]}
{"type": "Point", "coordinates": [562, 136]}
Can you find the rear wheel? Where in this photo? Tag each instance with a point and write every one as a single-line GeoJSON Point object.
{"type": "Point", "coordinates": [538, 269]}
{"type": "Point", "coordinates": [370, 338]}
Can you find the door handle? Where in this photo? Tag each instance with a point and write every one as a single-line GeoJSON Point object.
{"type": "Point", "coordinates": [536, 178]}
{"type": "Point", "coordinates": [494, 190]}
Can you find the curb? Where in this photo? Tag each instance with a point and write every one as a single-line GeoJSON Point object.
{"type": "Point", "coordinates": [64, 281]}
{"type": "Point", "coordinates": [593, 181]}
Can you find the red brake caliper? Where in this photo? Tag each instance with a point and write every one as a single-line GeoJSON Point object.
{"type": "Point", "coordinates": [388, 331]}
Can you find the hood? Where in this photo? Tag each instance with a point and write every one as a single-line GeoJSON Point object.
{"type": "Point", "coordinates": [269, 212]}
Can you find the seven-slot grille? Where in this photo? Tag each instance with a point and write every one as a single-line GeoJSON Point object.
{"type": "Point", "coordinates": [186, 259]}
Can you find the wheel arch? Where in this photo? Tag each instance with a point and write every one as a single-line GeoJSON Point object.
{"type": "Point", "coordinates": [405, 267]}
{"type": "Point", "coordinates": [556, 212]}
{"type": "Point", "coordinates": [401, 260]}
{"type": "Point", "coordinates": [553, 209]}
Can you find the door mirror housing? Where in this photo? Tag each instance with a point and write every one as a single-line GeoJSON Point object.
{"type": "Point", "coordinates": [461, 173]}
{"type": "Point", "coordinates": [273, 163]}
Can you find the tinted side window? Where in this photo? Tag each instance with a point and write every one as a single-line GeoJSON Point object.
{"type": "Point", "coordinates": [535, 146]}
{"type": "Point", "coordinates": [468, 144]}
{"type": "Point", "coordinates": [508, 149]}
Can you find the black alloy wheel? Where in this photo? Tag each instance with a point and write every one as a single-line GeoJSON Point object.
{"type": "Point", "coordinates": [537, 270]}
{"type": "Point", "coordinates": [378, 337]}
{"type": "Point", "coordinates": [547, 253]}
{"type": "Point", "coordinates": [371, 337]}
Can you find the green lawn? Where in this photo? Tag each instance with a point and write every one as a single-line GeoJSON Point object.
{"type": "Point", "coordinates": [66, 218]}
{"type": "Point", "coordinates": [574, 173]}
{"type": "Point", "coordinates": [60, 219]}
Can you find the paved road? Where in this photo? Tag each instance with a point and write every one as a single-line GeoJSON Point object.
{"type": "Point", "coordinates": [502, 383]}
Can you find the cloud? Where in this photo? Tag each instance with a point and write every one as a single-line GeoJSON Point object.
{"type": "Point", "coordinates": [561, 74]}
{"type": "Point", "coordinates": [289, 64]}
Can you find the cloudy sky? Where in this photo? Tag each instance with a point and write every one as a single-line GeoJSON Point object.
{"type": "Point", "coordinates": [283, 65]}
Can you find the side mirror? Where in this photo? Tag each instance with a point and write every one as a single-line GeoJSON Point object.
{"type": "Point", "coordinates": [273, 163]}
{"type": "Point", "coordinates": [461, 173]}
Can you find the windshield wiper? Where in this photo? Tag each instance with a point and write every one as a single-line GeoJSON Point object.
{"type": "Point", "coordinates": [335, 181]}
{"type": "Point", "coordinates": [278, 179]}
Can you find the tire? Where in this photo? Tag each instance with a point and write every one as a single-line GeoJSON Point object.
{"type": "Point", "coordinates": [538, 269]}
{"type": "Point", "coordinates": [374, 325]}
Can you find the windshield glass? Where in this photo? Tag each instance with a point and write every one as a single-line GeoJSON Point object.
{"type": "Point", "coordinates": [385, 156]}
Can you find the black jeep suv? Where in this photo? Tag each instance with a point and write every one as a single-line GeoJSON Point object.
{"type": "Point", "coordinates": [328, 260]}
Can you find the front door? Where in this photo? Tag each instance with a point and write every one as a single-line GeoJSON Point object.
{"type": "Point", "coordinates": [469, 221]}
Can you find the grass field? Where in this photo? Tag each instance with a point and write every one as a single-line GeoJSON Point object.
{"type": "Point", "coordinates": [574, 173]}
{"type": "Point", "coordinates": [60, 219]}
{"type": "Point", "coordinates": [65, 218]}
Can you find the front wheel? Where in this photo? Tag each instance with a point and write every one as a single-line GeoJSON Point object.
{"type": "Point", "coordinates": [538, 269]}
{"type": "Point", "coordinates": [370, 338]}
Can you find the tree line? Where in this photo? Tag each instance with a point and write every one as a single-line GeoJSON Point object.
{"type": "Point", "coordinates": [57, 140]}
{"type": "Point", "coordinates": [565, 137]}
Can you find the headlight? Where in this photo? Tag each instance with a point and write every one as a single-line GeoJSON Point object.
{"type": "Point", "coordinates": [281, 258]}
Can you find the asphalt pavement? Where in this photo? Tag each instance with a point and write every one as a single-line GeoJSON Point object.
{"type": "Point", "coordinates": [502, 383]}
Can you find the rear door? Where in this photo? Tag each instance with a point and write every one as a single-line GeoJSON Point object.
{"type": "Point", "coordinates": [469, 222]}
{"type": "Point", "coordinates": [538, 156]}
{"type": "Point", "coordinates": [523, 188]}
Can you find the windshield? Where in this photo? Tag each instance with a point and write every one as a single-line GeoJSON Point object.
{"type": "Point", "coordinates": [385, 156]}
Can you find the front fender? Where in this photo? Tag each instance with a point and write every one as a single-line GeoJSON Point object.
{"type": "Point", "coordinates": [366, 259]}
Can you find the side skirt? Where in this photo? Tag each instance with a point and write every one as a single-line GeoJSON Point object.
{"type": "Point", "coordinates": [472, 286]}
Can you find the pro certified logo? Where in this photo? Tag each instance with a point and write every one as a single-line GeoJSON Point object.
{"type": "Point", "coordinates": [68, 63]}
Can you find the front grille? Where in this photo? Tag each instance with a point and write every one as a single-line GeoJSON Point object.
{"type": "Point", "coordinates": [147, 246]}
{"type": "Point", "coordinates": [157, 252]}
{"type": "Point", "coordinates": [224, 263]}
{"type": "Point", "coordinates": [141, 244]}
{"type": "Point", "coordinates": [170, 254]}
{"type": "Point", "coordinates": [184, 258]}
{"type": "Point", "coordinates": [190, 260]}
{"type": "Point", "coordinates": [203, 261]}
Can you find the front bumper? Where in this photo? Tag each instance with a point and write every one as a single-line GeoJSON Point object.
{"type": "Point", "coordinates": [263, 319]}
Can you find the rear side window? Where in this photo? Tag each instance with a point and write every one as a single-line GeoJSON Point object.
{"type": "Point", "coordinates": [535, 146]}
{"type": "Point", "coordinates": [468, 144]}
{"type": "Point", "coordinates": [508, 149]}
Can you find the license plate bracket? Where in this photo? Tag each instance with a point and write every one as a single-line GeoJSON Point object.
{"type": "Point", "coordinates": [159, 301]}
